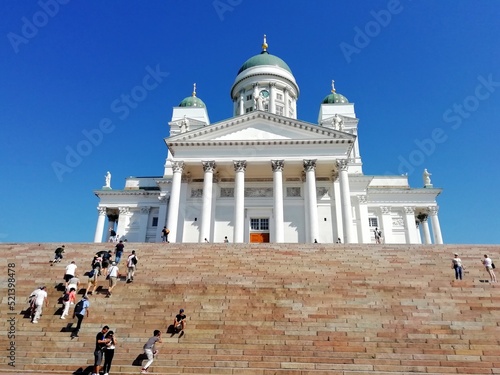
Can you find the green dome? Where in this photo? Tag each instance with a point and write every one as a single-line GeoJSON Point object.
{"type": "Point", "coordinates": [334, 98]}
{"type": "Point", "coordinates": [264, 58]}
{"type": "Point", "coordinates": [192, 101]}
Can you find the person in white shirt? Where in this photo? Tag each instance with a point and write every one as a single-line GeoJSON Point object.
{"type": "Point", "coordinates": [40, 297]}
{"type": "Point", "coordinates": [488, 265]}
{"type": "Point", "coordinates": [112, 276]}
{"type": "Point", "coordinates": [131, 263]}
{"type": "Point", "coordinates": [456, 264]}
{"type": "Point", "coordinates": [70, 272]}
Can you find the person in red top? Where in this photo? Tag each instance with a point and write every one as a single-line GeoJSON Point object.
{"type": "Point", "coordinates": [69, 299]}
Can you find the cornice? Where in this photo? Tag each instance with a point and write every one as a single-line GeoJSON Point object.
{"type": "Point", "coordinates": [299, 124]}
{"type": "Point", "coordinates": [267, 143]}
{"type": "Point", "coordinates": [100, 193]}
{"type": "Point", "coordinates": [404, 190]}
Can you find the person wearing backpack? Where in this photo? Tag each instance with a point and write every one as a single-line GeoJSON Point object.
{"type": "Point", "coordinates": [164, 234]}
{"type": "Point", "coordinates": [69, 298]}
{"type": "Point", "coordinates": [81, 310]}
{"type": "Point", "coordinates": [489, 266]}
{"type": "Point", "coordinates": [131, 263]}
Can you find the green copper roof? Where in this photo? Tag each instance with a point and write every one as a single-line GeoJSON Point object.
{"type": "Point", "coordinates": [192, 101]}
{"type": "Point", "coordinates": [335, 98]}
{"type": "Point", "coordinates": [264, 58]}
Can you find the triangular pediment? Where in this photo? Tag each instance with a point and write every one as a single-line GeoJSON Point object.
{"type": "Point", "coordinates": [260, 126]}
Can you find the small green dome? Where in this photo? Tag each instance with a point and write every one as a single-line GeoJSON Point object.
{"type": "Point", "coordinates": [192, 101]}
{"type": "Point", "coordinates": [264, 58]}
{"type": "Point", "coordinates": [334, 98]}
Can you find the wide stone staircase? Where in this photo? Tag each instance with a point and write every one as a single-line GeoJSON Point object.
{"type": "Point", "coordinates": [262, 309]}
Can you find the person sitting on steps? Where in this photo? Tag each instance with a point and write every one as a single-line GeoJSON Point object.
{"type": "Point", "coordinates": [180, 321]}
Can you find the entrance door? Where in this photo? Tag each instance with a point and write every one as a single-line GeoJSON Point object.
{"type": "Point", "coordinates": [259, 230]}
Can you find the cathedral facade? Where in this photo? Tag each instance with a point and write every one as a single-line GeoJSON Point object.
{"type": "Point", "coordinates": [263, 175]}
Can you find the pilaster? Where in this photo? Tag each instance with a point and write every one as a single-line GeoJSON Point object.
{"type": "Point", "coordinates": [410, 227]}
{"type": "Point", "coordinates": [386, 224]}
{"type": "Point", "coordinates": [143, 227]}
{"type": "Point", "coordinates": [363, 227]}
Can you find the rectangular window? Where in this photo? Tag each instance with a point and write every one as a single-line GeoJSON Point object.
{"type": "Point", "coordinates": [249, 109]}
{"type": "Point", "coordinates": [373, 222]}
{"type": "Point", "coordinates": [266, 107]}
{"type": "Point", "coordinates": [154, 222]}
{"type": "Point", "coordinates": [279, 96]}
{"type": "Point", "coordinates": [279, 110]}
{"type": "Point", "coordinates": [249, 97]}
{"type": "Point", "coordinates": [259, 224]}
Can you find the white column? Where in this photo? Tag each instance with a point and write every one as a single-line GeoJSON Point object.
{"type": "Point", "coordinates": [364, 229]}
{"type": "Point", "coordinates": [206, 209]}
{"type": "Point", "coordinates": [143, 224]}
{"type": "Point", "coordinates": [242, 102]}
{"type": "Point", "coordinates": [312, 200]}
{"type": "Point", "coordinates": [279, 225]}
{"type": "Point", "coordinates": [345, 197]}
{"type": "Point", "coordinates": [287, 107]}
{"type": "Point", "coordinates": [425, 229]}
{"type": "Point", "coordinates": [162, 217]}
{"type": "Point", "coordinates": [411, 229]}
{"type": "Point", "coordinates": [100, 224]}
{"type": "Point", "coordinates": [386, 224]}
{"type": "Point", "coordinates": [175, 195]}
{"type": "Point", "coordinates": [436, 228]}
{"type": "Point", "coordinates": [239, 198]}
{"type": "Point", "coordinates": [272, 94]}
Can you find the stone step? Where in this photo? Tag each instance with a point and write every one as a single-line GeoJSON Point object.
{"type": "Point", "coordinates": [269, 309]}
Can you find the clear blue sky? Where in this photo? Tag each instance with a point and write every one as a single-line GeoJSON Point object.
{"type": "Point", "coordinates": [424, 76]}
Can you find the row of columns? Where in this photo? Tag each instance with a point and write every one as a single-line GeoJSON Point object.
{"type": "Point", "coordinates": [239, 197]}
{"type": "Point", "coordinates": [273, 90]}
{"type": "Point", "coordinates": [436, 227]}
{"type": "Point", "coordinates": [311, 207]}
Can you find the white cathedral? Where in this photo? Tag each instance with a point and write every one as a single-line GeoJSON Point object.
{"type": "Point", "coordinates": [265, 176]}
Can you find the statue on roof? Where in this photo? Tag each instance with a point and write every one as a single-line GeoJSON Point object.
{"type": "Point", "coordinates": [184, 126]}
{"type": "Point", "coordinates": [338, 122]}
{"type": "Point", "coordinates": [107, 180]}
{"type": "Point", "coordinates": [427, 178]}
